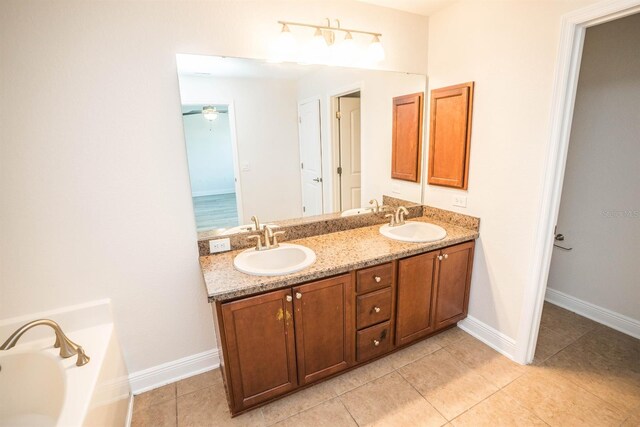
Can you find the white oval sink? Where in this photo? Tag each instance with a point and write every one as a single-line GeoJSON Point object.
{"type": "Point", "coordinates": [412, 231]}
{"type": "Point", "coordinates": [356, 211]}
{"type": "Point", "coordinates": [285, 259]}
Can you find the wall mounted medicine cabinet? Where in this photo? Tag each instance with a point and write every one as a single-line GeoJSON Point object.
{"type": "Point", "coordinates": [450, 136]}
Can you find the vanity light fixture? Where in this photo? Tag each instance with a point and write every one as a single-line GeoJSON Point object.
{"type": "Point", "coordinates": [375, 50]}
{"type": "Point", "coordinates": [285, 43]}
{"type": "Point", "coordinates": [210, 113]}
{"type": "Point", "coordinates": [323, 45]}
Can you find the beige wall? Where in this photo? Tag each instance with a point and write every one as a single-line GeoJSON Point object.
{"type": "Point", "coordinates": [377, 92]}
{"type": "Point", "coordinates": [94, 186]}
{"type": "Point", "coordinates": [600, 208]}
{"type": "Point", "coordinates": [509, 48]}
{"type": "Point", "coordinates": [271, 188]}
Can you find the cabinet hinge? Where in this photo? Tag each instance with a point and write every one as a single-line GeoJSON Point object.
{"type": "Point", "coordinates": [338, 115]}
{"type": "Point", "coordinates": [339, 170]}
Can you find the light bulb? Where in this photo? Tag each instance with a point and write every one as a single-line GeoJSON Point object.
{"type": "Point", "coordinates": [318, 49]}
{"type": "Point", "coordinates": [347, 49]}
{"type": "Point", "coordinates": [284, 45]}
{"type": "Point", "coordinates": [209, 113]}
{"type": "Point", "coordinates": [375, 50]}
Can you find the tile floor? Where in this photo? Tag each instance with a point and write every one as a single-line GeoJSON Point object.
{"type": "Point", "coordinates": [219, 211]}
{"type": "Point", "coordinates": [584, 374]}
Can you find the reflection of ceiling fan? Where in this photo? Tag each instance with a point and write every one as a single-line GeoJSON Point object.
{"type": "Point", "coordinates": [208, 112]}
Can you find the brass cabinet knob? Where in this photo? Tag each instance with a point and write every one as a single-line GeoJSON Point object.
{"type": "Point", "coordinates": [439, 257]}
{"type": "Point", "coordinates": [378, 279]}
{"type": "Point", "coordinates": [289, 298]}
{"type": "Point", "coordinates": [446, 256]}
{"type": "Point", "coordinates": [376, 309]}
{"type": "Point", "coordinates": [376, 343]}
{"type": "Point", "coordinates": [298, 295]}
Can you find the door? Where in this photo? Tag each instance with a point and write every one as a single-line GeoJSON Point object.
{"type": "Point", "coordinates": [310, 157]}
{"type": "Point", "coordinates": [416, 280]}
{"type": "Point", "coordinates": [349, 169]}
{"type": "Point", "coordinates": [324, 319]}
{"type": "Point", "coordinates": [406, 142]}
{"type": "Point", "coordinates": [260, 347]}
{"type": "Point", "coordinates": [452, 290]}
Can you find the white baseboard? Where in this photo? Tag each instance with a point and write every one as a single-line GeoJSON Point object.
{"type": "Point", "coordinates": [614, 320]}
{"type": "Point", "coordinates": [488, 335]}
{"type": "Point", "coordinates": [170, 372]}
{"type": "Point", "coordinates": [127, 423]}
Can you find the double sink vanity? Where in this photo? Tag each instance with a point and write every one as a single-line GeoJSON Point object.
{"type": "Point", "coordinates": [342, 291]}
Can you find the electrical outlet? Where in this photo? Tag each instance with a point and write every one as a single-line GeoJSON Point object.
{"type": "Point", "coordinates": [460, 201]}
{"type": "Point", "coordinates": [219, 245]}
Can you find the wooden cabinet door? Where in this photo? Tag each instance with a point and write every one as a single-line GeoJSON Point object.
{"type": "Point", "coordinates": [416, 280]}
{"type": "Point", "coordinates": [260, 347]}
{"type": "Point", "coordinates": [452, 290]}
{"type": "Point", "coordinates": [450, 135]}
{"type": "Point", "coordinates": [406, 154]}
{"type": "Point", "coordinates": [324, 320]}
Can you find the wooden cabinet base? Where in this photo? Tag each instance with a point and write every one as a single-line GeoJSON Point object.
{"type": "Point", "coordinates": [276, 343]}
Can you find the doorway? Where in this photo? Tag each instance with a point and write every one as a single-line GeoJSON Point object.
{"type": "Point", "coordinates": [310, 140]}
{"type": "Point", "coordinates": [574, 29]}
{"type": "Point", "coordinates": [347, 145]}
{"type": "Point", "coordinates": [210, 136]}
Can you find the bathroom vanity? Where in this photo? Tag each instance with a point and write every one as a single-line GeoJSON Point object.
{"type": "Point", "coordinates": [365, 297]}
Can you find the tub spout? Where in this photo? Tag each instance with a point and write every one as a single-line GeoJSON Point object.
{"type": "Point", "coordinates": [67, 347]}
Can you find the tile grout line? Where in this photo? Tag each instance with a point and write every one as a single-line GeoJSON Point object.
{"type": "Point", "coordinates": [424, 397]}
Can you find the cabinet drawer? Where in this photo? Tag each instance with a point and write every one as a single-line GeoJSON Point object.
{"type": "Point", "coordinates": [374, 307]}
{"type": "Point", "coordinates": [373, 278]}
{"type": "Point", "coordinates": [373, 341]}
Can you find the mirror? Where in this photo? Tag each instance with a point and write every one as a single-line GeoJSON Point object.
{"type": "Point", "coordinates": [282, 141]}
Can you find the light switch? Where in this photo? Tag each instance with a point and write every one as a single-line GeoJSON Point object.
{"type": "Point", "coordinates": [245, 167]}
{"type": "Point", "coordinates": [460, 201]}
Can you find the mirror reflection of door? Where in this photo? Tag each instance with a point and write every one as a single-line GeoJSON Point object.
{"type": "Point", "coordinates": [310, 157]}
{"type": "Point", "coordinates": [349, 170]}
{"type": "Point", "coordinates": [210, 147]}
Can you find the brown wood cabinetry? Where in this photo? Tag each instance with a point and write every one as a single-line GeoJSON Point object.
{"type": "Point", "coordinates": [324, 322]}
{"type": "Point", "coordinates": [416, 280]}
{"type": "Point", "coordinates": [454, 279]}
{"type": "Point", "coordinates": [281, 340]}
{"type": "Point", "coordinates": [433, 291]}
{"type": "Point", "coordinates": [260, 348]}
{"type": "Point", "coordinates": [450, 135]}
{"type": "Point", "coordinates": [406, 144]}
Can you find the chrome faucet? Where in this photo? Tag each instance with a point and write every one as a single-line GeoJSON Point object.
{"type": "Point", "coordinates": [67, 347]}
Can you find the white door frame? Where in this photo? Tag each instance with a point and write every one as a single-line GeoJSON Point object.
{"type": "Point", "coordinates": [335, 136]}
{"type": "Point", "coordinates": [572, 34]}
{"type": "Point", "coordinates": [322, 182]}
{"type": "Point", "coordinates": [236, 160]}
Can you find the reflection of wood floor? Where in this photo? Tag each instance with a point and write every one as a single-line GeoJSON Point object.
{"type": "Point", "coordinates": [217, 211]}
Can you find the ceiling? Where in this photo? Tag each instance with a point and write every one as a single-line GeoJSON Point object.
{"type": "Point", "coordinates": [419, 7]}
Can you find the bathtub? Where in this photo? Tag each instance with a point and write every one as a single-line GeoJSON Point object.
{"type": "Point", "coordinates": [39, 388]}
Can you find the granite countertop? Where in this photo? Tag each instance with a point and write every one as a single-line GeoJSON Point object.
{"type": "Point", "coordinates": [336, 253]}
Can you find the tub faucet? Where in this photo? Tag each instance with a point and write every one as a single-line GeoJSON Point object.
{"type": "Point", "coordinates": [67, 347]}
